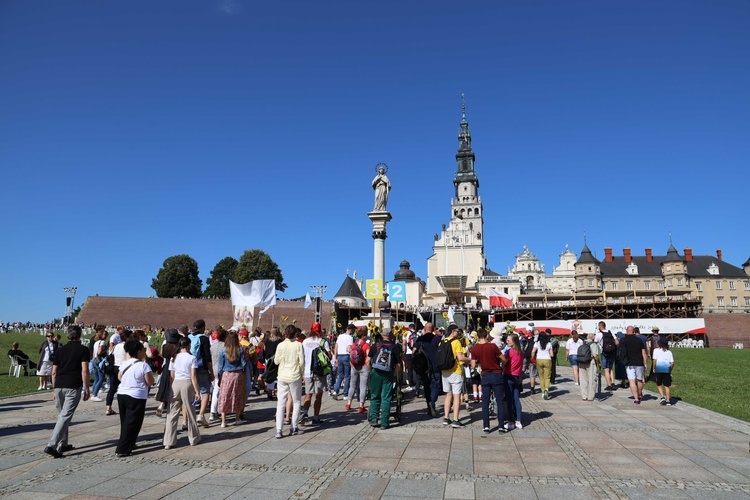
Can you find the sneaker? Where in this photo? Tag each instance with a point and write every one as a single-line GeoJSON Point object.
{"type": "Point", "coordinates": [407, 389]}
{"type": "Point", "coordinates": [374, 424]}
{"type": "Point", "coordinates": [159, 412]}
{"type": "Point", "coordinates": [577, 383]}
{"type": "Point", "coordinates": [518, 424]}
{"type": "Point", "coordinates": [503, 430]}
{"type": "Point", "coordinates": [669, 403]}
{"type": "Point", "coordinates": [663, 402]}
{"type": "Point", "coordinates": [202, 421]}
{"type": "Point", "coordinates": [336, 397]}
{"type": "Point", "coordinates": [456, 424]}
{"type": "Point", "coordinates": [297, 432]}
{"type": "Point", "coordinates": [361, 409]}
{"type": "Point", "coordinates": [96, 399]}
{"type": "Point", "coordinates": [184, 426]}
{"type": "Point", "coordinates": [66, 447]}
{"type": "Point", "coordinates": [508, 426]}
{"type": "Point", "coordinates": [486, 430]}
{"type": "Point", "coordinates": [546, 395]}
{"type": "Point", "coordinates": [212, 418]}
{"type": "Point", "coordinates": [316, 421]}
{"type": "Point", "coordinates": [446, 421]}
{"type": "Point", "coordinates": [279, 435]}
{"type": "Point", "coordinates": [348, 406]}
{"type": "Point", "coordinates": [40, 388]}
{"type": "Point", "coordinates": [223, 425]}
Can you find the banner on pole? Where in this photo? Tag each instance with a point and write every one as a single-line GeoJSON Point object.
{"type": "Point", "coordinates": [248, 296]}
{"type": "Point", "coordinates": [373, 289]}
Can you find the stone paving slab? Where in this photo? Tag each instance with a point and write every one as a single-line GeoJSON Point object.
{"type": "Point", "coordinates": [568, 448]}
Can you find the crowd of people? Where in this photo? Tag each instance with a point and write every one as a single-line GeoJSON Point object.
{"type": "Point", "coordinates": [204, 377]}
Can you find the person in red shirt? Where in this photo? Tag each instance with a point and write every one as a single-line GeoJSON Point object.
{"type": "Point", "coordinates": [488, 356]}
{"type": "Point", "coordinates": [512, 375]}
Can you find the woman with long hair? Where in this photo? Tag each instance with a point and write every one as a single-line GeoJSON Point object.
{"type": "Point", "coordinates": [512, 374]}
{"type": "Point", "coordinates": [543, 353]}
{"type": "Point", "coordinates": [135, 379]}
{"type": "Point", "coordinates": [232, 363]}
{"type": "Point", "coordinates": [183, 373]}
{"type": "Point", "coordinates": [271, 371]}
{"type": "Point", "coordinates": [99, 351]}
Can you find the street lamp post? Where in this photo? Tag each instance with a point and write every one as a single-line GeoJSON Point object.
{"type": "Point", "coordinates": [69, 299]}
{"type": "Point", "coordinates": [319, 291]}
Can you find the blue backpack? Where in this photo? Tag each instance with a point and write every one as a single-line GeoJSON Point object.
{"type": "Point", "coordinates": [195, 348]}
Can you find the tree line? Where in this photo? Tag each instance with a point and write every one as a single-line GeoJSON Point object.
{"type": "Point", "coordinates": [178, 276]}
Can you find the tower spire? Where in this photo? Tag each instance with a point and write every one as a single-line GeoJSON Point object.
{"type": "Point", "coordinates": [463, 107]}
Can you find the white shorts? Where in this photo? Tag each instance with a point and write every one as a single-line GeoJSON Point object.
{"type": "Point", "coordinates": [635, 372]}
{"type": "Point", "coordinates": [452, 382]}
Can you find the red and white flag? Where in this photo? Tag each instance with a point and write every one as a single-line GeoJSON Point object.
{"type": "Point", "coordinates": [500, 299]}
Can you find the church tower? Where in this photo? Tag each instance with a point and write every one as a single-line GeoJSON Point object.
{"type": "Point", "coordinates": [458, 258]}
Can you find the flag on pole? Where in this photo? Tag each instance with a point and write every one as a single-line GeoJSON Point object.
{"type": "Point", "coordinates": [308, 300]}
{"type": "Point", "coordinates": [500, 299]}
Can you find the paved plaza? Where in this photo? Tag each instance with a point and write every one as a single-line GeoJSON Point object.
{"type": "Point", "coordinates": [568, 449]}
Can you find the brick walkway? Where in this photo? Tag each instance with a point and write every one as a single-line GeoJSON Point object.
{"type": "Point", "coordinates": [568, 448]}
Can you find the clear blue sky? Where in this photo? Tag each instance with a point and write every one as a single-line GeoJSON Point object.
{"type": "Point", "coordinates": [134, 131]}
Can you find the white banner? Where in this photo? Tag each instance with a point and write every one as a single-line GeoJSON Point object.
{"type": "Point", "coordinates": [692, 326]}
{"type": "Point", "coordinates": [248, 296]}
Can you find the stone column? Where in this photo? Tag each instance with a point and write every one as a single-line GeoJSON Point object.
{"type": "Point", "coordinates": [379, 220]}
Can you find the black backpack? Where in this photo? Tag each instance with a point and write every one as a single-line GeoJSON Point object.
{"type": "Point", "coordinates": [420, 363]}
{"type": "Point", "coordinates": [622, 355]}
{"type": "Point", "coordinates": [609, 346]}
{"type": "Point", "coordinates": [528, 348]}
{"type": "Point", "coordinates": [444, 359]}
{"type": "Point", "coordinates": [584, 352]}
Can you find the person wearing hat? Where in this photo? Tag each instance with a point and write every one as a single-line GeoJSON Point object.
{"type": "Point", "coordinates": [314, 384]}
{"type": "Point", "coordinates": [663, 361]}
{"type": "Point", "coordinates": [384, 360]}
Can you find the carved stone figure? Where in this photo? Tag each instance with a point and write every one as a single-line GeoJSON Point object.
{"type": "Point", "coordinates": [382, 187]}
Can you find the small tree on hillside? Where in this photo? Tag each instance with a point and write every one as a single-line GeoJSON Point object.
{"type": "Point", "coordinates": [178, 277]}
{"type": "Point", "coordinates": [258, 265]}
{"type": "Point", "coordinates": [218, 284]}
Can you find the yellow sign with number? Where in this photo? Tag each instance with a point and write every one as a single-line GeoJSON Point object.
{"type": "Point", "coordinates": [373, 289]}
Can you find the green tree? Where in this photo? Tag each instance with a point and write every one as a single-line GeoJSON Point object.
{"type": "Point", "coordinates": [178, 277]}
{"type": "Point", "coordinates": [258, 265]}
{"type": "Point", "coordinates": [217, 285]}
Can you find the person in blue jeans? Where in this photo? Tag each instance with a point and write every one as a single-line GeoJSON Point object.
{"type": "Point", "coordinates": [343, 361]}
{"type": "Point", "coordinates": [488, 356]}
{"type": "Point", "coordinates": [432, 379]}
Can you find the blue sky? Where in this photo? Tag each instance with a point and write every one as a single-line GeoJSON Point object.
{"type": "Point", "coordinates": [134, 131]}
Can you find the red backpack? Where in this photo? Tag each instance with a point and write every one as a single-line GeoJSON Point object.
{"type": "Point", "coordinates": [357, 355]}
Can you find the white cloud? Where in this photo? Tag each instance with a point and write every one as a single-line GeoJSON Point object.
{"type": "Point", "coordinates": [230, 7]}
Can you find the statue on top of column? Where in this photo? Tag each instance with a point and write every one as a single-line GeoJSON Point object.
{"type": "Point", "coordinates": [382, 187]}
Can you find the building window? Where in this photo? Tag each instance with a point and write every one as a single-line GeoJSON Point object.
{"type": "Point", "coordinates": [647, 285]}
{"type": "Point", "coordinates": [629, 285]}
{"type": "Point", "coordinates": [731, 285]}
{"type": "Point", "coordinates": [747, 285]}
{"type": "Point", "coordinates": [747, 301]}
{"type": "Point", "coordinates": [669, 268]}
{"type": "Point", "coordinates": [669, 282]}
{"type": "Point", "coordinates": [699, 286]}
{"type": "Point", "coordinates": [679, 282]}
{"type": "Point", "coordinates": [580, 283]}
{"type": "Point", "coordinates": [734, 301]}
{"type": "Point", "coordinates": [721, 301]}
{"type": "Point", "coordinates": [718, 285]}
{"type": "Point", "coordinates": [661, 285]}
{"type": "Point", "coordinates": [614, 285]}
{"type": "Point", "coordinates": [591, 283]}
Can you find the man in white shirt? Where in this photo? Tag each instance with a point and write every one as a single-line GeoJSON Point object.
{"type": "Point", "coordinates": [342, 361]}
{"type": "Point", "coordinates": [313, 383]}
